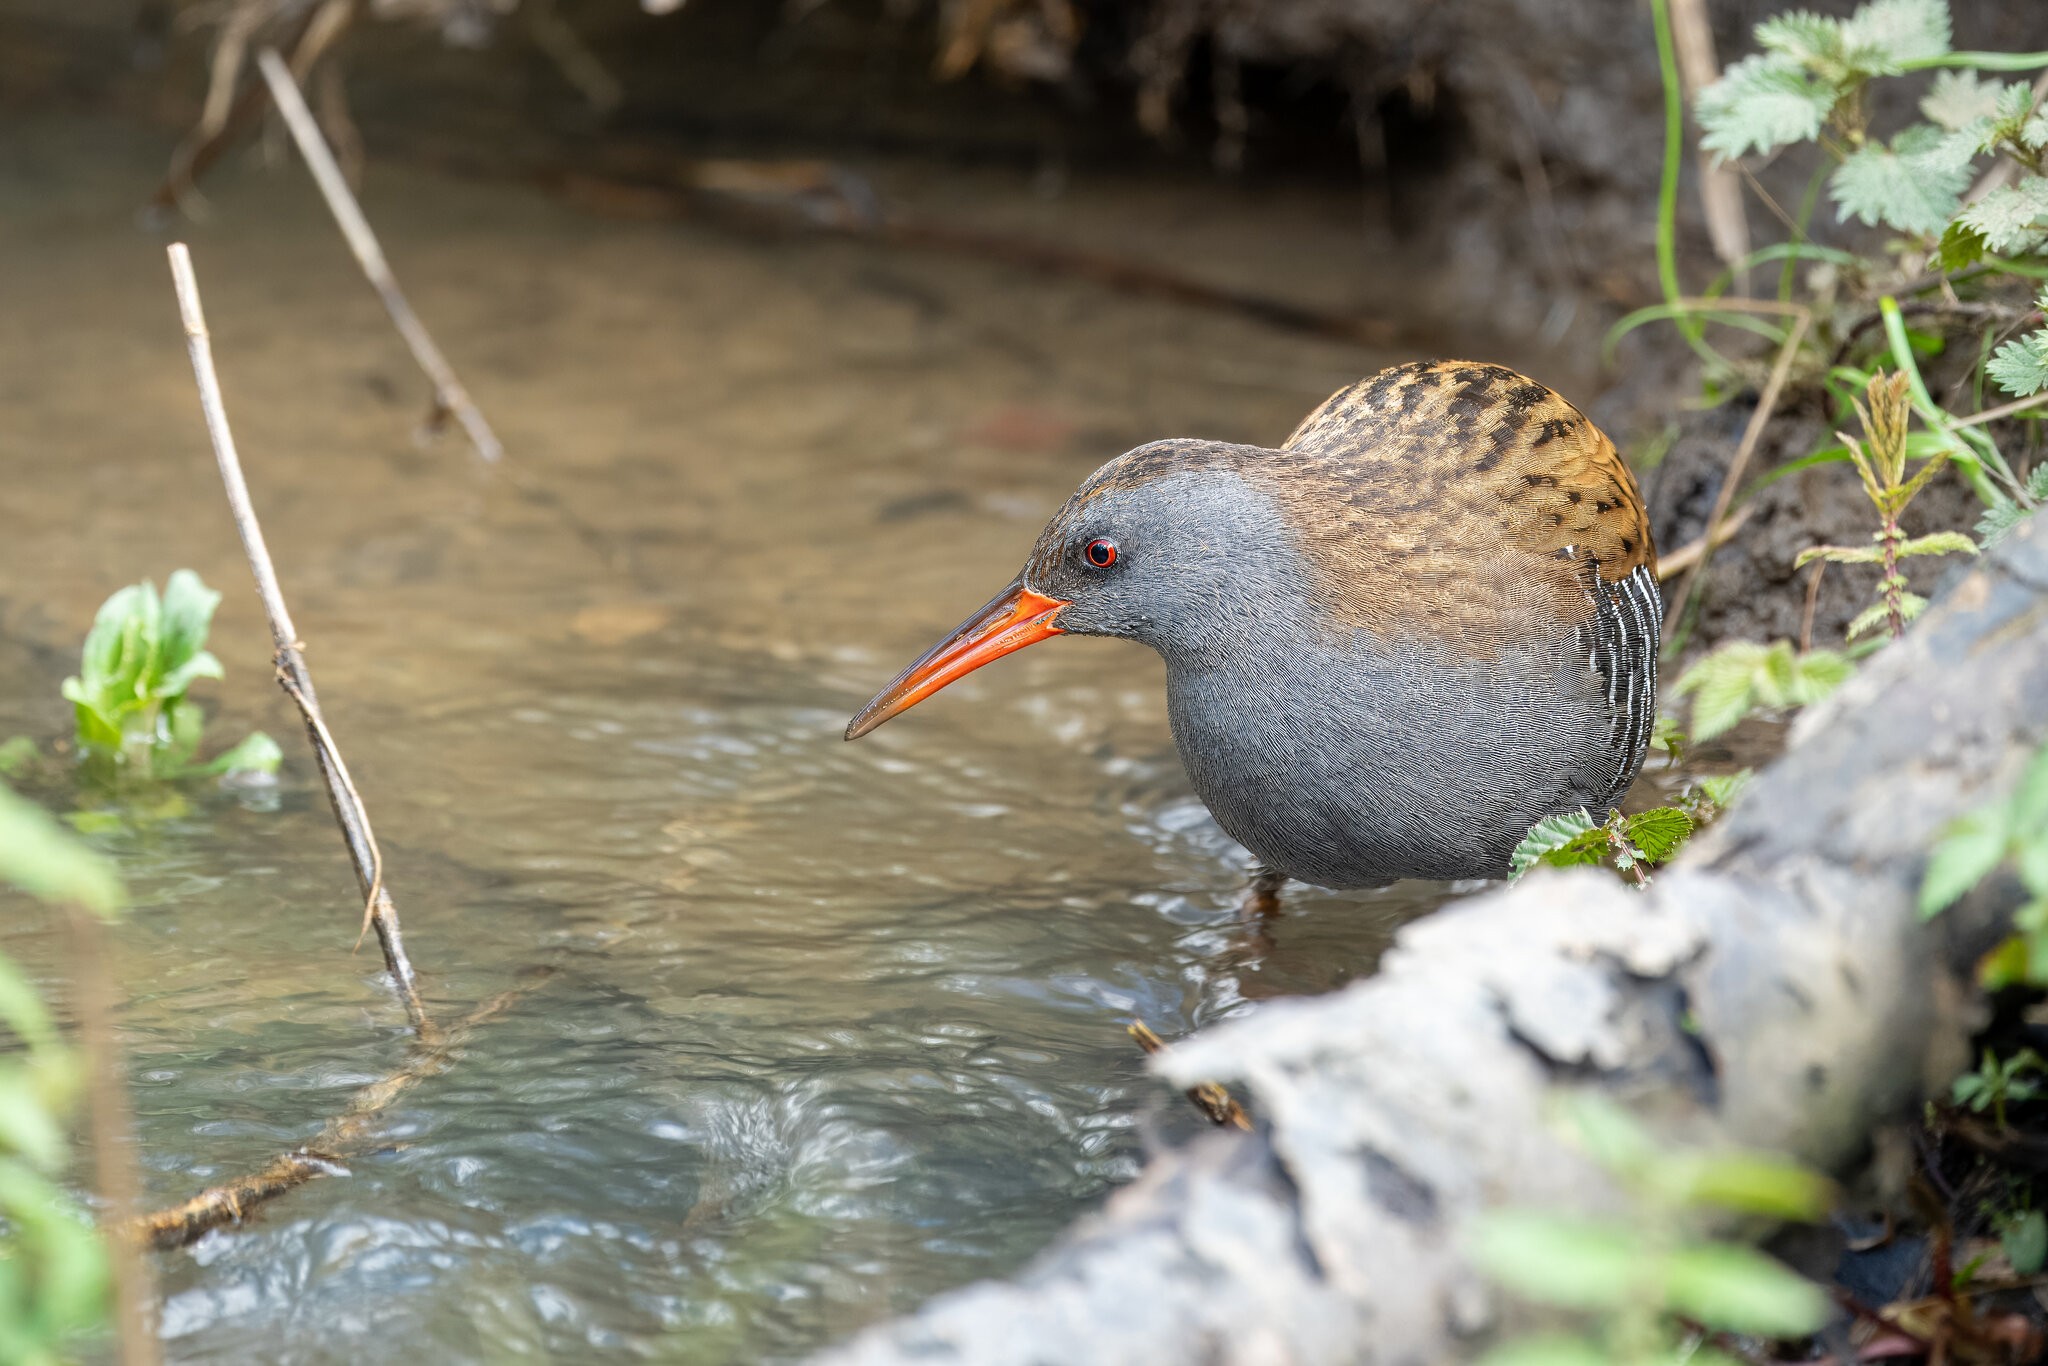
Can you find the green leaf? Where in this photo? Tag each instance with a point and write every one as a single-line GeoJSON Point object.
{"type": "Point", "coordinates": [1764, 101]}
{"type": "Point", "coordinates": [2010, 217]}
{"type": "Point", "coordinates": [1938, 543]}
{"type": "Point", "coordinates": [1813, 39]}
{"type": "Point", "coordinates": [2029, 805]}
{"type": "Point", "coordinates": [1547, 1352]}
{"type": "Point", "coordinates": [1884, 35]}
{"type": "Point", "coordinates": [1914, 185]}
{"type": "Point", "coordinates": [1553, 837]}
{"type": "Point", "coordinates": [1560, 1260]}
{"type": "Point", "coordinates": [199, 664]}
{"type": "Point", "coordinates": [1739, 1290]}
{"type": "Point", "coordinates": [38, 856]}
{"type": "Point", "coordinates": [2025, 1242]}
{"type": "Point", "coordinates": [1970, 847]}
{"type": "Point", "coordinates": [1817, 674]}
{"type": "Point", "coordinates": [1659, 832]}
{"type": "Point", "coordinates": [2034, 133]}
{"type": "Point", "coordinates": [1962, 246]}
{"type": "Point", "coordinates": [1840, 554]}
{"type": "Point", "coordinates": [1960, 98]}
{"type": "Point", "coordinates": [1869, 619]}
{"type": "Point", "coordinates": [2021, 366]}
{"type": "Point", "coordinates": [1752, 1183]}
{"type": "Point", "coordinates": [1725, 684]}
{"type": "Point", "coordinates": [257, 753]}
{"type": "Point", "coordinates": [187, 614]}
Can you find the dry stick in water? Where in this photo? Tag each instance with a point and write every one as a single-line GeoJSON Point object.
{"type": "Point", "coordinates": [449, 395]}
{"type": "Point", "coordinates": [346, 1136]}
{"type": "Point", "coordinates": [1215, 1103]}
{"type": "Point", "coordinates": [291, 662]}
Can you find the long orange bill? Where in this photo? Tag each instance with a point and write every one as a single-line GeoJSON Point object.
{"type": "Point", "coordinates": [1014, 618]}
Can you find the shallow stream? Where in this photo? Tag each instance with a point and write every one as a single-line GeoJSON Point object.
{"type": "Point", "coordinates": [831, 1027]}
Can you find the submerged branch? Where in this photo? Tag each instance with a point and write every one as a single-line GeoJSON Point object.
{"type": "Point", "coordinates": [347, 1135]}
{"type": "Point", "coordinates": [292, 673]}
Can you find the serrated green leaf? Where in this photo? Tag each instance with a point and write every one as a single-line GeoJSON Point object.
{"type": "Point", "coordinates": [1813, 39]}
{"type": "Point", "coordinates": [1724, 686]}
{"type": "Point", "coordinates": [1960, 98]}
{"type": "Point", "coordinates": [1962, 246]}
{"type": "Point", "coordinates": [1869, 619]}
{"type": "Point", "coordinates": [2034, 132]}
{"type": "Point", "coordinates": [38, 856]}
{"type": "Point", "coordinates": [1914, 185]}
{"type": "Point", "coordinates": [1938, 543]}
{"type": "Point", "coordinates": [1560, 1260]}
{"type": "Point", "coordinates": [1659, 832]}
{"type": "Point", "coordinates": [2021, 366]}
{"type": "Point", "coordinates": [1553, 835]}
{"type": "Point", "coordinates": [1763, 102]}
{"type": "Point", "coordinates": [1818, 674]}
{"type": "Point", "coordinates": [1969, 848]}
{"type": "Point", "coordinates": [2010, 218]}
{"type": "Point", "coordinates": [1999, 519]}
{"type": "Point", "coordinates": [1884, 35]}
{"type": "Point", "coordinates": [1739, 1290]}
{"type": "Point", "coordinates": [1839, 554]}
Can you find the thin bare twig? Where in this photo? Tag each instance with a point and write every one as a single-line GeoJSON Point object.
{"type": "Point", "coordinates": [290, 659]}
{"type": "Point", "coordinates": [113, 1140]}
{"type": "Point", "coordinates": [1820, 567]}
{"type": "Point", "coordinates": [1766, 404]}
{"type": "Point", "coordinates": [2018, 405]}
{"type": "Point", "coordinates": [345, 1136]}
{"type": "Point", "coordinates": [449, 395]}
{"type": "Point", "coordinates": [1686, 556]}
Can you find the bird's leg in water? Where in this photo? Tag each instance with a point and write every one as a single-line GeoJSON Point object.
{"type": "Point", "coordinates": [1262, 898]}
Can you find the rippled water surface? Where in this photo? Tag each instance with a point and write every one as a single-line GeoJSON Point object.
{"type": "Point", "coordinates": [831, 1027]}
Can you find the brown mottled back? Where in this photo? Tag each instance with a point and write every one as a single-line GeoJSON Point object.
{"type": "Point", "coordinates": [1446, 499]}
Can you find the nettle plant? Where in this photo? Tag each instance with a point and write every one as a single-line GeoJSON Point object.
{"type": "Point", "coordinates": [144, 653]}
{"type": "Point", "coordinates": [1963, 190]}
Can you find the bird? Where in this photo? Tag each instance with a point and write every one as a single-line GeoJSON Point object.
{"type": "Point", "coordinates": [1424, 623]}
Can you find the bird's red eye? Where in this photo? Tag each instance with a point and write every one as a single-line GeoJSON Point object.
{"type": "Point", "coordinates": [1101, 554]}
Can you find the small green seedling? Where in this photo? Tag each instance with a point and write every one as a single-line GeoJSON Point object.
{"type": "Point", "coordinates": [1638, 1276]}
{"type": "Point", "coordinates": [1999, 1082]}
{"type": "Point", "coordinates": [1886, 413]}
{"type": "Point", "coordinates": [2014, 833]}
{"type": "Point", "coordinates": [1630, 844]}
{"type": "Point", "coordinates": [1743, 677]}
{"type": "Point", "coordinates": [130, 694]}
